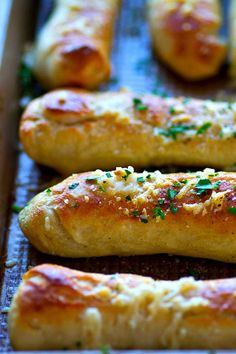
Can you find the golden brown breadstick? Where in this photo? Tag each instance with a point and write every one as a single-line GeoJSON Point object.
{"type": "Point", "coordinates": [74, 131]}
{"type": "Point", "coordinates": [125, 213]}
{"type": "Point", "coordinates": [58, 308]}
{"type": "Point", "coordinates": [185, 36]}
{"type": "Point", "coordinates": [74, 46]}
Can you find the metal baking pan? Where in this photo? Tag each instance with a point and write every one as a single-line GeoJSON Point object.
{"type": "Point", "coordinates": [20, 178]}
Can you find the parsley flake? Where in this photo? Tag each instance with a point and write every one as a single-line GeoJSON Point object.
{"type": "Point", "coordinates": [203, 128]}
{"type": "Point", "coordinates": [161, 201]}
{"type": "Point", "coordinates": [135, 213]}
{"type": "Point", "coordinates": [184, 181]}
{"type": "Point", "coordinates": [105, 349]}
{"type": "Point", "coordinates": [144, 220]}
{"type": "Point", "coordinates": [139, 105]}
{"type": "Point", "coordinates": [125, 177]}
{"type": "Point", "coordinates": [48, 191]}
{"type": "Point", "coordinates": [232, 210]}
{"type": "Point", "coordinates": [171, 193]}
{"type": "Point", "coordinates": [16, 208]}
{"type": "Point", "coordinates": [157, 211]}
{"type": "Point", "coordinates": [173, 209]}
{"type": "Point", "coordinates": [128, 198]}
{"type": "Point", "coordinates": [174, 130]}
{"type": "Point", "coordinates": [108, 174]}
{"type": "Point", "coordinates": [204, 185]}
{"type": "Point", "coordinates": [73, 185]}
{"type": "Point", "coordinates": [140, 180]}
{"type": "Point", "coordinates": [92, 178]}
{"type": "Point", "coordinates": [102, 188]}
{"type": "Point", "coordinates": [172, 110]}
{"type": "Point", "coordinates": [148, 176]}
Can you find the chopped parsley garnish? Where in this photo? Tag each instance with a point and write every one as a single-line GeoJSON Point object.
{"type": "Point", "coordinates": [234, 134]}
{"type": "Point", "coordinates": [171, 193]}
{"type": "Point", "coordinates": [204, 185]}
{"type": "Point", "coordinates": [161, 201]}
{"type": "Point", "coordinates": [184, 181]}
{"type": "Point", "coordinates": [234, 187]}
{"type": "Point", "coordinates": [73, 185]}
{"type": "Point", "coordinates": [92, 178]}
{"type": "Point", "coordinates": [128, 198]}
{"type": "Point", "coordinates": [203, 128]}
{"type": "Point", "coordinates": [48, 191]}
{"type": "Point", "coordinates": [173, 209]}
{"type": "Point", "coordinates": [179, 183]}
{"type": "Point", "coordinates": [108, 174]}
{"type": "Point", "coordinates": [144, 220]}
{"type": "Point", "coordinates": [102, 188]}
{"type": "Point", "coordinates": [157, 211]}
{"type": "Point", "coordinates": [172, 110]}
{"type": "Point", "coordinates": [148, 177]}
{"type": "Point", "coordinates": [135, 213]}
{"type": "Point", "coordinates": [221, 134]}
{"type": "Point", "coordinates": [16, 208]}
{"type": "Point", "coordinates": [29, 87]}
{"type": "Point", "coordinates": [232, 210]}
{"type": "Point", "coordinates": [139, 105]}
{"type": "Point", "coordinates": [173, 130]}
{"type": "Point", "coordinates": [105, 349]}
{"type": "Point", "coordinates": [140, 180]}
{"type": "Point", "coordinates": [127, 174]}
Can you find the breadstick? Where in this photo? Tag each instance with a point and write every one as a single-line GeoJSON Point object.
{"type": "Point", "coordinates": [185, 35]}
{"type": "Point", "coordinates": [74, 46]}
{"type": "Point", "coordinates": [126, 213]}
{"type": "Point", "coordinates": [60, 308]}
{"type": "Point", "coordinates": [74, 131]}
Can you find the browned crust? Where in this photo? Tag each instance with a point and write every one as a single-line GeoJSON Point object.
{"type": "Point", "coordinates": [57, 307]}
{"type": "Point", "coordinates": [75, 44]}
{"type": "Point", "coordinates": [64, 287]}
{"type": "Point", "coordinates": [191, 31]}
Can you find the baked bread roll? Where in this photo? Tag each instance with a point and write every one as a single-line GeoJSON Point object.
{"type": "Point", "coordinates": [59, 308]}
{"type": "Point", "coordinates": [185, 35]}
{"type": "Point", "coordinates": [74, 131]}
{"type": "Point", "coordinates": [74, 46]}
{"type": "Point", "coordinates": [126, 213]}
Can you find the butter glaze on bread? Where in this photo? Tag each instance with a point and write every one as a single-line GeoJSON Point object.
{"type": "Point", "coordinates": [185, 35]}
{"type": "Point", "coordinates": [56, 308]}
{"type": "Point", "coordinates": [125, 213]}
{"type": "Point", "coordinates": [74, 131]}
{"type": "Point", "coordinates": [74, 46]}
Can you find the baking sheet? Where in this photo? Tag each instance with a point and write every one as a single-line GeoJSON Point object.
{"type": "Point", "coordinates": [133, 67]}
